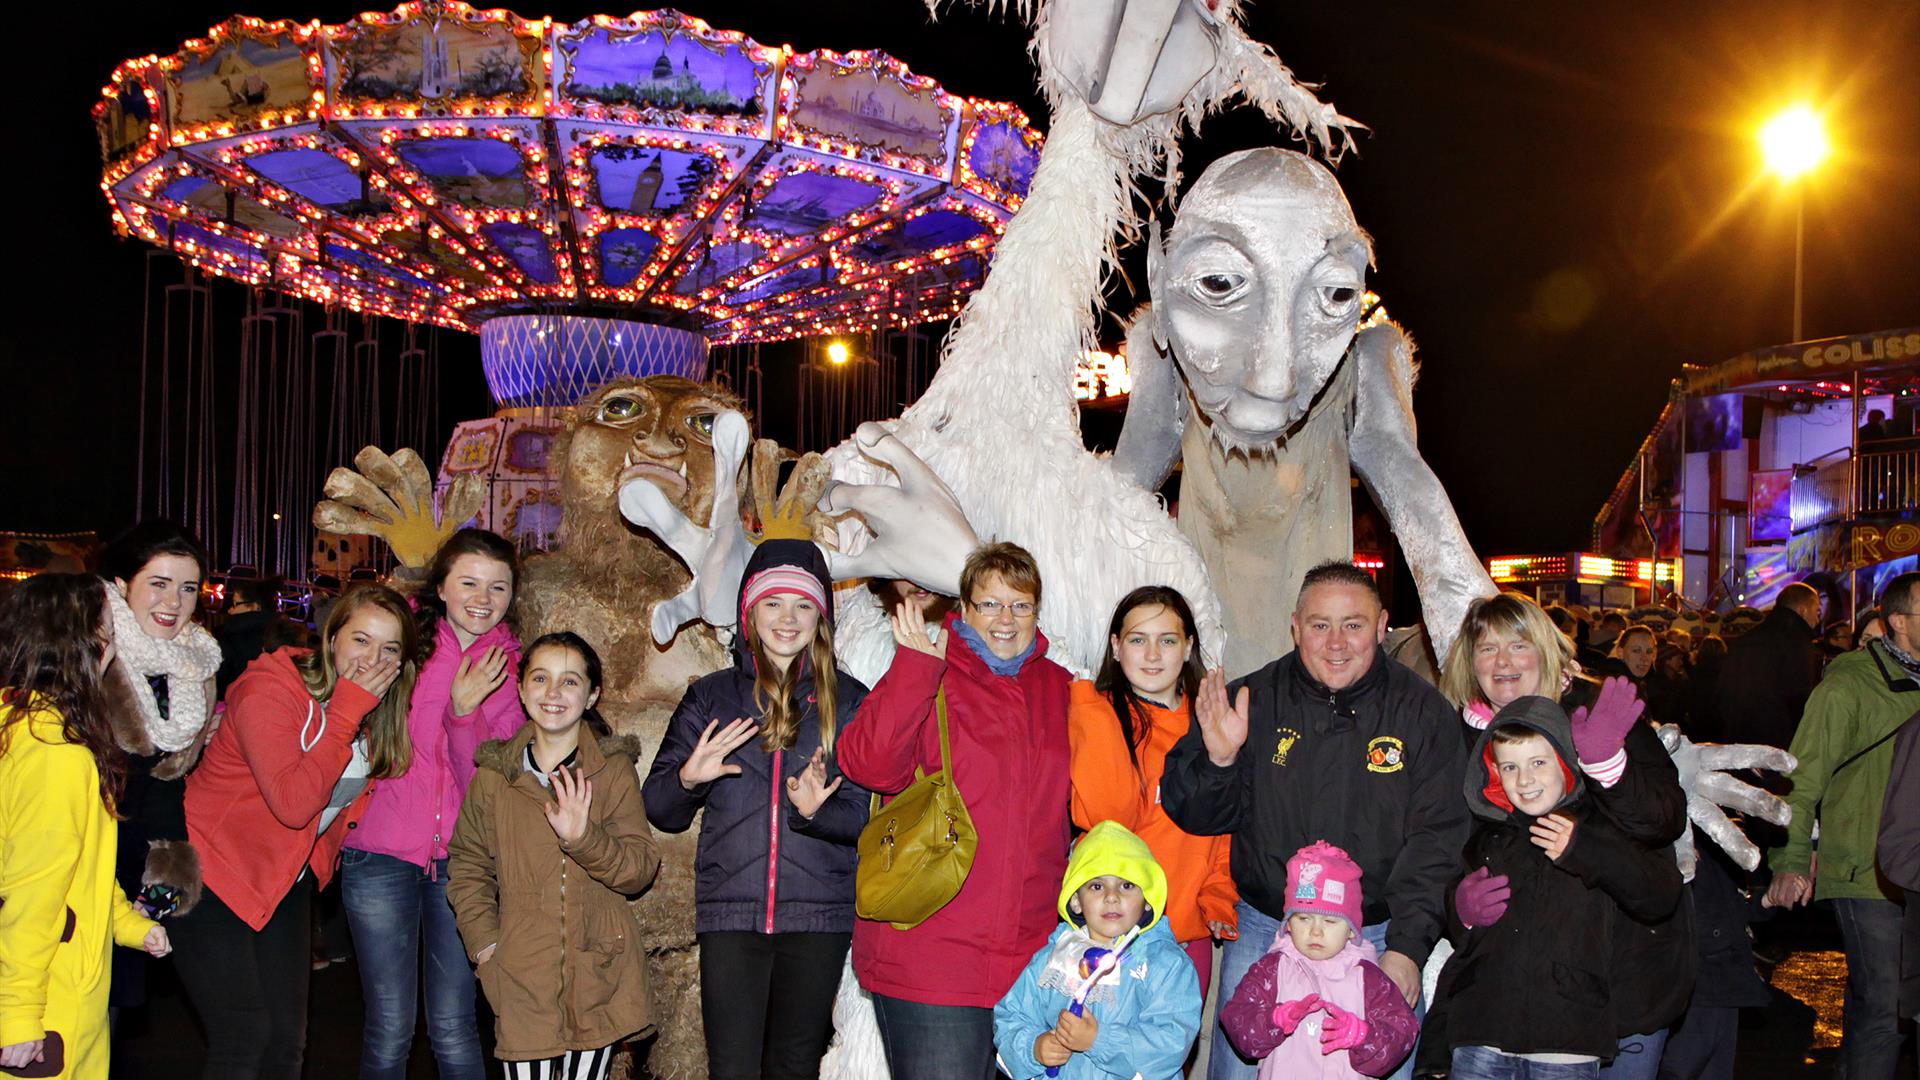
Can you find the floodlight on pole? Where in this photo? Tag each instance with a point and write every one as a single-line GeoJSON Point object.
{"type": "Point", "coordinates": [1794, 143]}
{"type": "Point", "coordinates": [837, 352]}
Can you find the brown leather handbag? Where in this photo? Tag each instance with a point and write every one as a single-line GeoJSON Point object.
{"type": "Point", "coordinates": [917, 849]}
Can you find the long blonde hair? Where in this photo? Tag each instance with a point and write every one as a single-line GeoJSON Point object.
{"type": "Point", "coordinates": [1510, 616]}
{"type": "Point", "coordinates": [389, 749]}
{"type": "Point", "coordinates": [773, 689]}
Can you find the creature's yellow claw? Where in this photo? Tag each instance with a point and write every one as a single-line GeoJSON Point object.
{"type": "Point", "coordinates": [392, 498]}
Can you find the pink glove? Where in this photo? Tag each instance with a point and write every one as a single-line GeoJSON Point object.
{"type": "Point", "coordinates": [1341, 1030]}
{"type": "Point", "coordinates": [1288, 1014]}
{"type": "Point", "coordinates": [1600, 730]}
{"type": "Point", "coordinates": [1481, 899]}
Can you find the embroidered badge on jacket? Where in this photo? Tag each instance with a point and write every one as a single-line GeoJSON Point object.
{"type": "Point", "coordinates": [1288, 737]}
{"type": "Point", "coordinates": [1386, 754]}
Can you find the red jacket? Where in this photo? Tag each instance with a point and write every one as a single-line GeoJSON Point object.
{"type": "Point", "coordinates": [1011, 766]}
{"type": "Point", "coordinates": [254, 802]}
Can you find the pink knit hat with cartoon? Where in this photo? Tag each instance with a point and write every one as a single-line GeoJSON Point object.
{"type": "Point", "coordinates": [1325, 880]}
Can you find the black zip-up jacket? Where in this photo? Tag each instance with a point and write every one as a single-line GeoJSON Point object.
{"type": "Point", "coordinates": [1540, 979]}
{"type": "Point", "coordinates": [1373, 769]}
{"type": "Point", "coordinates": [748, 816]}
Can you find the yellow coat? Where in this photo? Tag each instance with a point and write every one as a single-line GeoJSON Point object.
{"type": "Point", "coordinates": [57, 855]}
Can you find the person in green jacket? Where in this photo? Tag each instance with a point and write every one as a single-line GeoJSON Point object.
{"type": "Point", "coordinates": [1845, 748]}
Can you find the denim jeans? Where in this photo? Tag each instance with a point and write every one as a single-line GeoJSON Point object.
{"type": "Point", "coordinates": [1486, 1063]}
{"type": "Point", "coordinates": [1639, 1057]}
{"type": "Point", "coordinates": [1257, 932]}
{"type": "Point", "coordinates": [400, 917]}
{"type": "Point", "coordinates": [935, 1042]}
{"type": "Point", "coordinates": [1870, 932]}
{"type": "Point", "coordinates": [1703, 1045]}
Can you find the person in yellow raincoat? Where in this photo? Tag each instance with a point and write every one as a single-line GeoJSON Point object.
{"type": "Point", "coordinates": [61, 911]}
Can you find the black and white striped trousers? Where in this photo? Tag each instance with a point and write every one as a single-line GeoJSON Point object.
{"type": "Point", "coordinates": [572, 1065]}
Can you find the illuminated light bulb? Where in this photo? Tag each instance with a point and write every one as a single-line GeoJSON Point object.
{"type": "Point", "coordinates": [1794, 142]}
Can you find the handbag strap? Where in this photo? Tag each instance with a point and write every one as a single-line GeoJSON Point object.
{"type": "Point", "coordinates": [946, 750]}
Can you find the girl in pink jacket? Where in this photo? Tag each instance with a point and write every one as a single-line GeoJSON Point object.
{"type": "Point", "coordinates": [394, 867]}
{"type": "Point", "coordinates": [1316, 1004]}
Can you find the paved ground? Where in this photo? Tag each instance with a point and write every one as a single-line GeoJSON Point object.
{"type": "Point", "coordinates": [1795, 1036]}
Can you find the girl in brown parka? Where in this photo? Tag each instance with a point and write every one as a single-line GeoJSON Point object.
{"type": "Point", "coordinates": [552, 841]}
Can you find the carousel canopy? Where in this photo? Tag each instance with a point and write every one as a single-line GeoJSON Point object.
{"type": "Point", "coordinates": [450, 166]}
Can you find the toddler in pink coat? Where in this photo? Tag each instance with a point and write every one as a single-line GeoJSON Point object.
{"type": "Point", "coordinates": [1316, 1004]}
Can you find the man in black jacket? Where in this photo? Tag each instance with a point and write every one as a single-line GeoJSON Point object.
{"type": "Point", "coordinates": [1334, 742]}
{"type": "Point", "coordinates": [1769, 674]}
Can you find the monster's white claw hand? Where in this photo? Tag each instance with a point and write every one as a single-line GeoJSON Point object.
{"type": "Point", "coordinates": [919, 531]}
{"type": "Point", "coordinates": [717, 555]}
{"type": "Point", "coordinates": [1704, 777]}
{"type": "Point", "coordinates": [645, 505]}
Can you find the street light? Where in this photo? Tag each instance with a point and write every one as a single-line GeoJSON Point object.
{"type": "Point", "coordinates": [1794, 143]}
{"type": "Point", "coordinates": [837, 352]}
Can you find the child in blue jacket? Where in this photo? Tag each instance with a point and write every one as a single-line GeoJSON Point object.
{"type": "Point", "coordinates": [1142, 1013]}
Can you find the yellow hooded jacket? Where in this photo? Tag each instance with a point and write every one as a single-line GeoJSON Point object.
{"type": "Point", "coordinates": [1111, 848]}
{"type": "Point", "coordinates": [57, 842]}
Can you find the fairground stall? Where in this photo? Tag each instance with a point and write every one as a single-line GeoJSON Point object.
{"type": "Point", "coordinates": [1788, 463]}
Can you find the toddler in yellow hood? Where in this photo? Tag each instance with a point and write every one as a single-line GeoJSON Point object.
{"type": "Point", "coordinates": [1141, 1013]}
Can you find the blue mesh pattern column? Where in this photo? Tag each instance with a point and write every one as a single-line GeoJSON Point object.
{"type": "Point", "coordinates": [556, 359]}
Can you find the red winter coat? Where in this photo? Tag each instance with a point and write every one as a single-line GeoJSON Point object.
{"type": "Point", "coordinates": [1011, 766]}
{"type": "Point", "coordinates": [254, 803]}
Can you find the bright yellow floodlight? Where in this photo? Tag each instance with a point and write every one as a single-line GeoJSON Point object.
{"type": "Point", "coordinates": [837, 352]}
{"type": "Point", "coordinates": [1794, 142]}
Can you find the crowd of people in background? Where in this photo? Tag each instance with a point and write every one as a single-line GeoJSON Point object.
{"type": "Point", "coordinates": [1330, 823]}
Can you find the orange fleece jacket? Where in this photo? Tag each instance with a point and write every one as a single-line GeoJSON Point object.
{"type": "Point", "coordinates": [1106, 787]}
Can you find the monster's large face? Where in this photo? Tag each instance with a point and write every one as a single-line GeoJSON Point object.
{"type": "Point", "coordinates": [1258, 290]}
{"type": "Point", "coordinates": [657, 428]}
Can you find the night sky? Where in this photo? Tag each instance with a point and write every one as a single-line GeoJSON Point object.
{"type": "Point", "coordinates": [1565, 199]}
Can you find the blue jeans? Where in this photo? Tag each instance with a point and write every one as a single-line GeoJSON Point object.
{"type": "Point", "coordinates": [1870, 932]}
{"type": "Point", "coordinates": [1639, 1057]}
{"type": "Point", "coordinates": [398, 912]}
{"type": "Point", "coordinates": [935, 1042]}
{"type": "Point", "coordinates": [1486, 1063]}
{"type": "Point", "coordinates": [1257, 932]}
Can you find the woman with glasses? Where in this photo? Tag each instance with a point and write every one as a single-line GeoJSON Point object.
{"type": "Point", "coordinates": [934, 986]}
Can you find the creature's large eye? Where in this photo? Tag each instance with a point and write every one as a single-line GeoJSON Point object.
{"type": "Point", "coordinates": [1338, 301]}
{"type": "Point", "coordinates": [620, 408]}
{"type": "Point", "coordinates": [702, 424]}
{"type": "Point", "coordinates": [1218, 287]}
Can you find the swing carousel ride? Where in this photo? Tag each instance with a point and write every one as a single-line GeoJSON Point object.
{"type": "Point", "coordinates": [607, 197]}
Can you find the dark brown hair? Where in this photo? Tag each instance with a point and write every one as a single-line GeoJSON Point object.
{"type": "Point", "coordinates": [429, 609]}
{"type": "Point", "coordinates": [1112, 679]}
{"type": "Point", "coordinates": [567, 639]}
{"type": "Point", "coordinates": [50, 659]}
{"type": "Point", "coordinates": [140, 545]}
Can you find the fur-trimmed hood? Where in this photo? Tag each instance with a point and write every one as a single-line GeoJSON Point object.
{"type": "Point", "coordinates": [130, 730]}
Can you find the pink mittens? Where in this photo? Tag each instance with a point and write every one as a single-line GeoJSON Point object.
{"type": "Point", "coordinates": [1341, 1030]}
{"type": "Point", "coordinates": [1288, 1014]}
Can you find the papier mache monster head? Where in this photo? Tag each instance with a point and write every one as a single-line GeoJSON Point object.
{"type": "Point", "coordinates": [1258, 290]}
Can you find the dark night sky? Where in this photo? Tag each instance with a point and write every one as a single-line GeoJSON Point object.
{"type": "Point", "coordinates": [1565, 200]}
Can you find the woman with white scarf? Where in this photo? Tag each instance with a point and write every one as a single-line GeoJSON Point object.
{"type": "Point", "coordinates": [160, 693]}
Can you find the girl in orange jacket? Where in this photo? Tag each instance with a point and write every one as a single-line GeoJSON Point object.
{"type": "Point", "coordinates": [1120, 727]}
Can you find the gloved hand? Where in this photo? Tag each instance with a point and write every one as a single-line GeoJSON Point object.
{"type": "Point", "coordinates": [1480, 899]}
{"type": "Point", "coordinates": [1600, 730]}
{"type": "Point", "coordinates": [1341, 1030]}
{"type": "Point", "coordinates": [1288, 1014]}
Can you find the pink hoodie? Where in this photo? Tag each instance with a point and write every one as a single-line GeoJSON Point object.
{"type": "Point", "coordinates": [412, 817]}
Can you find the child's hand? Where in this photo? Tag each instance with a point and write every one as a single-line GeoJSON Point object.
{"type": "Point", "coordinates": [1342, 1030]}
{"type": "Point", "coordinates": [708, 762]}
{"type": "Point", "coordinates": [477, 678]}
{"type": "Point", "coordinates": [1223, 930]}
{"type": "Point", "coordinates": [567, 813]}
{"type": "Point", "coordinates": [1048, 1051]}
{"type": "Point", "coordinates": [1288, 1014]}
{"type": "Point", "coordinates": [1480, 898]}
{"type": "Point", "coordinates": [485, 954]}
{"type": "Point", "coordinates": [809, 791]}
{"type": "Point", "coordinates": [1076, 1033]}
{"type": "Point", "coordinates": [1552, 834]}
{"type": "Point", "coordinates": [156, 942]}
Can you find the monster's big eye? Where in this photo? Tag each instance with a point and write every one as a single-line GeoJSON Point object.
{"type": "Point", "coordinates": [702, 424]}
{"type": "Point", "coordinates": [620, 408]}
{"type": "Point", "coordinates": [1338, 301]}
{"type": "Point", "coordinates": [1217, 287]}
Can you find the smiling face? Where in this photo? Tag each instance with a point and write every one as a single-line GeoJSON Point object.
{"type": "Point", "coordinates": [1337, 628]}
{"type": "Point", "coordinates": [1530, 774]}
{"type": "Point", "coordinates": [1152, 648]}
{"type": "Point", "coordinates": [1110, 905]}
{"type": "Point", "coordinates": [371, 633]}
{"type": "Point", "coordinates": [1637, 650]}
{"type": "Point", "coordinates": [785, 625]}
{"type": "Point", "coordinates": [659, 429]}
{"type": "Point", "coordinates": [995, 610]}
{"type": "Point", "coordinates": [1318, 936]}
{"type": "Point", "coordinates": [163, 595]}
{"type": "Point", "coordinates": [1507, 668]}
{"type": "Point", "coordinates": [477, 591]}
{"type": "Point", "coordinates": [556, 689]}
{"type": "Point", "coordinates": [1259, 290]}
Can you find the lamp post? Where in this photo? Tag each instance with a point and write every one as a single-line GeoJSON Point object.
{"type": "Point", "coordinates": [1794, 143]}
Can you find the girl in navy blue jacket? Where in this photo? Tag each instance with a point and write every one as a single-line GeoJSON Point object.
{"type": "Point", "coordinates": [773, 895]}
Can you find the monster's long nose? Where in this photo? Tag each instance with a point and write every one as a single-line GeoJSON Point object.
{"type": "Point", "coordinates": [1131, 58]}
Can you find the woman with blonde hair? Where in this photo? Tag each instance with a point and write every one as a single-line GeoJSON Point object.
{"type": "Point", "coordinates": [306, 736]}
{"type": "Point", "coordinates": [1507, 649]}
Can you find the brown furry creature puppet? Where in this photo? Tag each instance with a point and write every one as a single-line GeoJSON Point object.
{"type": "Point", "coordinates": [603, 583]}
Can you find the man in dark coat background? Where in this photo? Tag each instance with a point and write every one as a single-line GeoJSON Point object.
{"type": "Point", "coordinates": [1769, 673]}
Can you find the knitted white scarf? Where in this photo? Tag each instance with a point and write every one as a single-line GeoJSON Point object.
{"type": "Point", "coordinates": [187, 661]}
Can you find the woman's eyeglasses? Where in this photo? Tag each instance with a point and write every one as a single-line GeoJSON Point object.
{"type": "Point", "coordinates": [1023, 609]}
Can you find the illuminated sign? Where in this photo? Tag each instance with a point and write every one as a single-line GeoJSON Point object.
{"type": "Point", "coordinates": [1581, 565]}
{"type": "Point", "coordinates": [1101, 376]}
